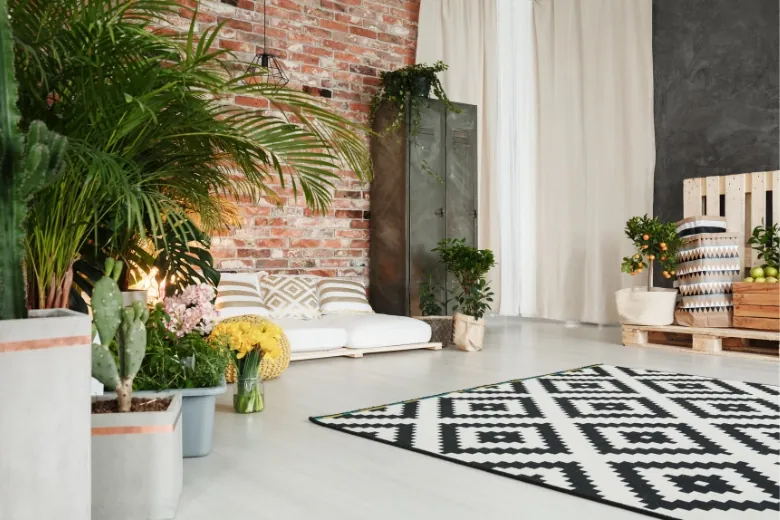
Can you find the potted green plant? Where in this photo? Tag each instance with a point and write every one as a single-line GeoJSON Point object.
{"type": "Point", "coordinates": [409, 86]}
{"type": "Point", "coordinates": [433, 311]}
{"type": "Point", "coordinates": [180, 359]}
{"type": "Point", "coordinates": [131, 437]}
{"type": "Point", "coordinates": [45, 448]}
{"type": "Point", "coordinates": [656, 242]}
{"type": "Point", "coordinates": [469, 266]}
{"type": "Point", "coordinates": [766, 241]}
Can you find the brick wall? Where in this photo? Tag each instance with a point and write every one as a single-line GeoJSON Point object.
{"type": "Point", "coordinates": [338, 45]}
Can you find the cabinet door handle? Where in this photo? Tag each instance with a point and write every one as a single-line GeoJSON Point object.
{"type": "Point", "coordinates": [474, 213]}
{"type": "Point", "coordinates": [439, 212]}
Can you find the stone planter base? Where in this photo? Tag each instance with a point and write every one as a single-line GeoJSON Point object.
{"type": "Point", "coordinates": [469, 333]}
{"type": "Point", "coordinates": [44, 435]}
{"type": "Point", "coordinates": [137, 463]}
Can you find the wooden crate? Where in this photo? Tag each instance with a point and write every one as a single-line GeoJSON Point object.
{"type": "Point", "coordinates": [745, 203]}
{"type": "Point", "coordinates": [725, 342]}
{"type": "Point", "coordinates": [757, 306]}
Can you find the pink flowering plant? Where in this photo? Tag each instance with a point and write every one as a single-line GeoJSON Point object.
{"type": "Point", "coordinates": [191, 310]}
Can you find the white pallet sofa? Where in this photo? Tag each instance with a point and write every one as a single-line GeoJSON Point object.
{"type": "Point", "coordinates": [353, 335]}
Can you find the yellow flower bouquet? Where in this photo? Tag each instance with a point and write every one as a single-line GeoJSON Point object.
{"type": "Point", "coordinates": [249, 343]}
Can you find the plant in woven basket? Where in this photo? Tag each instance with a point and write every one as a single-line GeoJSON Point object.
{"type": "Point", "coordinates": [469, 266]}
{"type": "Point", "coordinates": [249, 343]}
{"type": "Point", "coordinates": [655, 241]}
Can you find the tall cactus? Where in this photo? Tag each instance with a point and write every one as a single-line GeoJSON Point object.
{"type": "Point", "coordinates": [127, 325]}
{"type": "Point", "coordinates": [23, 171]}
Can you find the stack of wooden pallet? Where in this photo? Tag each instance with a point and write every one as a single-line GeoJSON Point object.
{"type": "Point", "coordinates": [757, 306]}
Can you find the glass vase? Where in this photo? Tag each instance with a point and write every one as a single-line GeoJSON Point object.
{"type": "Point", "coordinates": [249, 395]}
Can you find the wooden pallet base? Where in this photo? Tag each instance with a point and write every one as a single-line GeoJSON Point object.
{"type": "Point", "coordinates": [358, 352]}
{"type": "Point", "coordinates": [724, 342]}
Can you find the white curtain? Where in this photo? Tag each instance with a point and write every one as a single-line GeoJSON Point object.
{"type": "Point", "coordinates": [596, 150]}
{"type": "Point", "coordinates": [516, 156]}
{"type": "Point", "coordinates": [461, 34]}
{"type": "Point", "coordinates": [567, 147]}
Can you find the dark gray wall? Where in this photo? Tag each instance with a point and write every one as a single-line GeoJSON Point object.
{"type": "Point", "coordinates": [715, 67]}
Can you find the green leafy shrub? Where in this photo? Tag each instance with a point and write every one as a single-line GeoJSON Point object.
{"type": "Point", "coordinates": [187, 362]}
{"type": "Point", "coordinates": [430, 304]}
{"type": "Point", "coordinates": [766, 240]}
{"type": "Point", "coordinates": [469, 266]}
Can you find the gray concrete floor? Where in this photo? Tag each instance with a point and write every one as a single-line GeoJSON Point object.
{"type": "Point", "coordinates": [278, 465]}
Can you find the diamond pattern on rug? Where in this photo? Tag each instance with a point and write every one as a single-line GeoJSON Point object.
{"type": "Point", "coordinates": [663, 444]}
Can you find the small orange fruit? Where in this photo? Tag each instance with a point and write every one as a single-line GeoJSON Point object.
{"type": "Point", "coordinates": [639, 270]}
{"type": "Point", "coordinates": [671, 272]}
{"type": "Point", "coordinates": [663, 245]}
{"type": "Point", "coordinates": [645, 246]}
{"type": "Point", "coordinates": [637, 256]}
{"type": "Point", "coordinates": [645, 237]}
{"type": "Point", "coordinates": [651, 257]}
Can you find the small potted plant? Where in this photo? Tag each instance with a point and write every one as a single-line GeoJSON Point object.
{"type": "Point", "coordinates": [655, 242]}
{"type": "Point", "coordinates": [434, 311]}
{"type": "Point", "coordinates": [469, 266]}
{"type": "Point", "coordinates": [179, 358]}
{"type": "Point", "coordinates": [249, 343]}
{"type": "Point", "coordinates": [765, 241]}
{"type": "Point", "coordinates": [409, 86]}
{"type": "Point", "coordinates": [131, 436]}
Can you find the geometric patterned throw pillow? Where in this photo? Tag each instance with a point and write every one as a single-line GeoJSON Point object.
{"type": "Point", "coordinates": [338, 296]}
{"type": "Point", "coordinates": [290, 296]}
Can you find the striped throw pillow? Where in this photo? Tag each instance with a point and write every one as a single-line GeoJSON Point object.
{"type": "Point", "coordinates": [338, 296]}
{"type": "Point", "coordinates": [238, 294]}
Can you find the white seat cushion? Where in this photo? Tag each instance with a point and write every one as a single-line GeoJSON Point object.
{"type": "Point", "coordinates": [311, 335]}
{"type": "Point", "coordinates": [379, 330]}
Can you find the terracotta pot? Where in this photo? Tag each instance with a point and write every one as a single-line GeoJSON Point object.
{"type": "Point", "coordinates": [637, 306]}
{"type": "Point", "coordinates": [469, 332]}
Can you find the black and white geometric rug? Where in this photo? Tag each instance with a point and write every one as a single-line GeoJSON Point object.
{"type": "Point", "coordinates": [667, 445]}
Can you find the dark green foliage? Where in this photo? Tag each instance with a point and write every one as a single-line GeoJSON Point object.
{"type": "Point", "coordinates": [410, 85]}
{"type": "Point", "coordinates": [469, 266]}
{"type": "Point", "coordinates": [430, 305]}
{"type": "Point", "coordinates": [24, 170]}
{"type": "Point", "coordinates": [766, 240]}
{"type": "Point", "coordinates": [186, 362]}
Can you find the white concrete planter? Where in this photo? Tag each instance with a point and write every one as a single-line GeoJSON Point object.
{"type": "Point", "coordinates": [637, 306]}
{"type": "Point", "coordinates": [44, 435]}
{"type": "Point", "coordinates": [197, 415]}
{"type": "Point", "coordinates": [468, 332]}
{"type": "Point", "coordinates": [137, 463]}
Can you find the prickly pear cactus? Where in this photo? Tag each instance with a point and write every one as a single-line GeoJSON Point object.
{"type": "Point", "coordinates": [133, 338]}
{"type": "Point", "coordinates": [107, 302]}
{"type": "Point", "coordinates": [129, 327]}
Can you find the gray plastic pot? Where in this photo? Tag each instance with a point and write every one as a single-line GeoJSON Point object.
{"type": "Point", "coordinates": [197, 413]}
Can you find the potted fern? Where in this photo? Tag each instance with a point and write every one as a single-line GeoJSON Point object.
{"type": "Point", "coordinates": [469, 266]}
{"type": "Point", "coordinates": [434, 311]}
{"type": "Point", "coordinates": [655, 242]}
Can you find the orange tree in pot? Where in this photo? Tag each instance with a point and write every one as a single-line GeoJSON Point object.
{"type": "Point", "coordinates": [656, 242]}
{"type": "Point", "coordinates": [469, 266]}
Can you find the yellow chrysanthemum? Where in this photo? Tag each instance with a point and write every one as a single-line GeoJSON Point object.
{"type": "Point", "coordinates": [243, 337]}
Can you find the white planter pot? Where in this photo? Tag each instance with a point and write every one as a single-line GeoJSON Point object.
{"type": "Point", "coordinates": [197, 414]}
{"type": "Point", "coordinates": [44, 435]}
{"type": "Point", "coordinates": [637, 306]}
{"type": "Point", "coordinates": [137, 463]}
{"type": "Point", "coordinates": [468, 333]}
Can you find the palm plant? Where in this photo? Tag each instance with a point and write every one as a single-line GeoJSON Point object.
{"type": "Point", "coordinates": [158, 153]}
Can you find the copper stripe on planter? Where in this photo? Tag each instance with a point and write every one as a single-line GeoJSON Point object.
{"type": "Point", "coordinates": [39, 344]}
{"type": "Point", "coordinates": [130, 430]}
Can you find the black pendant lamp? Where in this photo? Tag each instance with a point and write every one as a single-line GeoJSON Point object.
{"type": "Point", "coordinates": [265, 66]}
